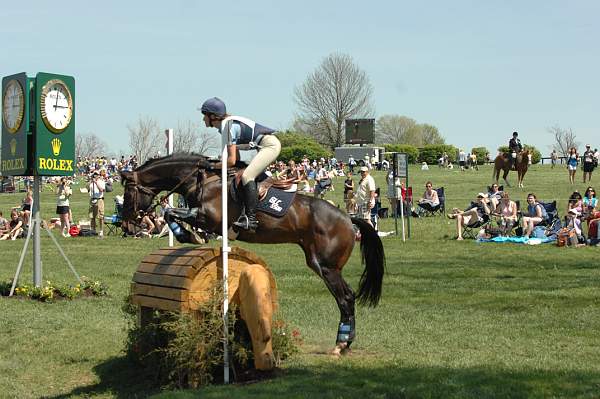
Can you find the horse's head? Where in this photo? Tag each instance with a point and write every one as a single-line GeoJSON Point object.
{"type": "Point", "coordinates": [136, 198]}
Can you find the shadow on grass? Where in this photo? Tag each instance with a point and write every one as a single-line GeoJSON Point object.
{"type": "Point", "coordinates": [121, 379]}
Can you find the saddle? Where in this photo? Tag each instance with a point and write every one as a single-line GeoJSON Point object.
{"type": "Point", "coordinates": [275, 196]}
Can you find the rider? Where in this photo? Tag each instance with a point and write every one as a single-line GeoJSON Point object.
{"type": "Point", "coordinates": [244, 134]}
{"type": "Point", "coordinates": [515, 148]}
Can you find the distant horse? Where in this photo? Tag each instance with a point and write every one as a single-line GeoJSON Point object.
{"type": "Point", "coordinates": [325, 233]}
{"type": "Point", "coordinates": [521, 164]}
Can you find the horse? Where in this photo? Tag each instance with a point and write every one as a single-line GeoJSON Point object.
{"type": "Point", "coordinates": [521, 164]}
{"type": "Point", "coordinates": [324, 232]}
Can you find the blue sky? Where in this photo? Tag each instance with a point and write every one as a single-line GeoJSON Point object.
{"type": "Point", "coordinates": [475, 69]}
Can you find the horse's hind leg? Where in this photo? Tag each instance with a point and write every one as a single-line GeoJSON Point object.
{"type": "Point", "coordinates": [344, 297]}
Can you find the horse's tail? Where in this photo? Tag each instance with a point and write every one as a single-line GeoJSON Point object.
{"type": "Point", "coordinates": [373, 257]}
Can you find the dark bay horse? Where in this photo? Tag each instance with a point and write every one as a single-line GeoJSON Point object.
{"type": "Point", "coordinates": [521, 164]}
{"type": "Point", "coordinates": [325, 233]}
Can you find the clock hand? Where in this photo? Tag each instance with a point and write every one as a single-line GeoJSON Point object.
{"type": "Point", "coordinates": [56, 103]}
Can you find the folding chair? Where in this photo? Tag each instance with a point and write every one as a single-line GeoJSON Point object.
{"type": "Point", "coordinates": [113, 222]}
{"type": "Point", "coordinates": [439, 209]}
{"type": "Point", "coordinates": [471, 231]}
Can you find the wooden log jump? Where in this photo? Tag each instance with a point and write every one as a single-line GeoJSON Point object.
{"type": "Point", "coordinates": [180, 280]}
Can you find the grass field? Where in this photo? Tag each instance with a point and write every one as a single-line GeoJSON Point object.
{"type": "Point", "coordinates": [456, 320]}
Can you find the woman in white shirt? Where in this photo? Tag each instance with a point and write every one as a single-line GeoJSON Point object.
{"type": "Point", "coordinates": [62, 205]}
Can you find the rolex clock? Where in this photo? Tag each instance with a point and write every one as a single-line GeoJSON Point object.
{"type": "Point", "coordinates": [13, 105]}
{"type": "Point", "coordinates": [14, 158]}
{"type": "Point", "coordinates": [56, 105]}
{"type": "Point", "coordinates": [55, 124]}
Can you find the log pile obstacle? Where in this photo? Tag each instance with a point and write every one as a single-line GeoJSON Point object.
{"type": "Point", "coordinates": [180, 280]}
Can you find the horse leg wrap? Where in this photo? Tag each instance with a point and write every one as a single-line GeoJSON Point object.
{"type": "Point", "coordinates": [345, 332]}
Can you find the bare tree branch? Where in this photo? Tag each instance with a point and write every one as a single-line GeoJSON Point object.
{"type": "Point", "coordinates": [189, 137]}
{"type": "Point", "coordinates": [145, 138]}
{"type": "Point", "coordinates": [564, 139]}
{"type": "Point", "coordinates": [89, 145]}
{"type": "Point", "coordinates": [337, 90]}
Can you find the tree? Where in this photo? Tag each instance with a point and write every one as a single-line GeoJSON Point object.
{"type": "Point", "coordinates": [564, 139]}
{"type": "Point", "coordinates": [337, 90]}
{"type": "Point", "coordinates": [431, 135]}
{"type": "Point", "coordinates": [296, 145]}
{"type": "Point", "coordinates": [393, 129]}
{"type": "Point", "coordinates": [398, 129]}
{"type": "Point", "coordinates": [188, 137]}
{"type": "Point", "coordinates": [145, 138]}
{"type": "Point", "coordinates": [89, 145]}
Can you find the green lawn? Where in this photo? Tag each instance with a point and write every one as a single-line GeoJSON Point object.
{"type": "Point", "coordinates": [456, 320]}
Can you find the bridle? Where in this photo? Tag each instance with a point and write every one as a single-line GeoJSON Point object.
{"type": "Point", "coordinates": [137, 187]}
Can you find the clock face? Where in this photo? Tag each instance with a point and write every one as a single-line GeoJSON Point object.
{"type": "Point", "coordinates": [13, 106]}
{"type": "Point", "coordinates": [56, 105]}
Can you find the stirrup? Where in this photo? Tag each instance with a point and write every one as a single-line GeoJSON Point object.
{"type": "Point", "coordinates": [245, 223]}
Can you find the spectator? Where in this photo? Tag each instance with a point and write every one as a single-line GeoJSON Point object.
{"type": "Point", "coordinates": [572, 161]}
{"type": "Point", "coordinates": [430, 198]}
{"type": "Point", "coordinates": [348, 187]}
{"type": "Point", "coordinates": [588, 163]}
{"type": "Point", "coordinates": [4, 225]}
{"type": "Point", "coordinates": [590, 202]}
{"type": "Point", "coordinates": [553, 158]}
{"type": "Point", "coordinates": [322, 181]}
{"type": "Point", "coordinates": [494, 195]}
{"type": "Point", "coordinates": [16, 225]}
{"type": "Point", "coordinates": [96, 190]}
{"type": "Point", "coordinates": [351, 163]}
{"type": "Point", "coordinates": [26, 207]}
{"type": "Point", "coordinates": [365, 197]}
{"type": "Point", "coordinates": [575, 202]}
{"type": "Point", "coordinates": [474, 165]}
{"type": "Point", "coordinates": [462, 159]}
{"type": "Point", "coordinates": [62, 205]}
{"type": "Point", "coordinates": [535, 214]}
{"type": "Point", "coordinates": [506, 210]}
{"type": "Point", "coordinates": [394, 191]}
{"type": "Point", "coordinates": [574, 224]}
{"type": "Point", "coordinates": [474, 213]}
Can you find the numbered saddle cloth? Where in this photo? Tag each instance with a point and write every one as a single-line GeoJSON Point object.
{"type": "Point", "coordinates": [276, 202]}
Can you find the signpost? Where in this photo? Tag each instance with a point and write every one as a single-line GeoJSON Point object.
{"type": "Point", "coordinates": [400, 166]}
{"type": "Point", "coordinates": [38, 139]}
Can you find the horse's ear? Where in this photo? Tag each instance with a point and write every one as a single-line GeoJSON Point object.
{"type": "Point", "coordinates": [126, 176]}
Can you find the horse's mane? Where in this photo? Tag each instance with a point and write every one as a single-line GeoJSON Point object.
{"type": "Point", "coordinates": [191, 157]}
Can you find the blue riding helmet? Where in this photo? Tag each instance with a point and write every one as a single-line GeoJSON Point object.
{"type": "Point", "coordinates": [214, 106]}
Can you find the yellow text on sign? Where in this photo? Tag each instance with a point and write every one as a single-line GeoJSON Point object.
{"type": "Point", "coordinates": [56, 164]}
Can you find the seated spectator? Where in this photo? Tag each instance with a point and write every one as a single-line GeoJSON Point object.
{"type": "Point", "coordinates": [16, 227]}
{"type": "Point", "coordinates": [494, 195]}
{"type": "Point", "coordinates": [476, 212]}
{"type": "Point", "coordinates": [430, 199]}
{"type": "Point", "coordinates": [506, 210]}
{"type": "Point", "coordinates": [576, 202]}
{"type": "Point", "coordinates": [534, 215]}
{"type": "Point", "coordinates": [4, 225]}
{"type": "Point", "coordinates": [574, 223]}
{"type": "Point", "coordinates": [590, 202]}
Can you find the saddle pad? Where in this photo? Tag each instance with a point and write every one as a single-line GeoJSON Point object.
{"type": "Point", "coordinates": [276, 202]}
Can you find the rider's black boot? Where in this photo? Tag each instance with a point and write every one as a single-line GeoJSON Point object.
{"type": "Point", "coordinates": [247, 220]}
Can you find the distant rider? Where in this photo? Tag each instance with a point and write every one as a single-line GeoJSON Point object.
{"type": "Point", "coordinates": [244, 134]}
{"type": "Point", "coordinates": [515, 148]}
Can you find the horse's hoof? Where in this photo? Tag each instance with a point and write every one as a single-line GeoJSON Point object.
{"type": "Point", "coordinates": [341, 349]}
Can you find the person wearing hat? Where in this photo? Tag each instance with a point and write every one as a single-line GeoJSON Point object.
{"type": "Point", "coordinates": [574, 224]}
{"type": "Point", "coordinates": [243, 134]}
{"type": "Point", "coordinates": [474, 213]}
{"type": "Point", "coordinates": [515, 147]}
{"type": "Point", "coordinates": [588, 163]}
{"type": "Point", "coordinates": [365, 196]}
{"type": "Point", "coordinates": [96, 189]}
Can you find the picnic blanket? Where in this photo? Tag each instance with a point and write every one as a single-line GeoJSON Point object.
{"type": "Point", "coordinates": [518, 240]}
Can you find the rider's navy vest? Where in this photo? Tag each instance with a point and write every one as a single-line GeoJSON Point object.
{"type": "Point", "coordinates": [250, 132]}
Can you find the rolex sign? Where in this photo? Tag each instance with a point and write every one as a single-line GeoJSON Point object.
{"type": "Point", "coordinates": [55, 125]}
